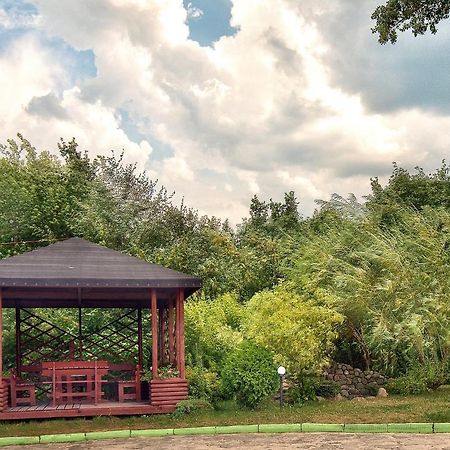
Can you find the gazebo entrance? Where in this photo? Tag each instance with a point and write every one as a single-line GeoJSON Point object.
{"type": "Point", "coordinates": [129, 362]}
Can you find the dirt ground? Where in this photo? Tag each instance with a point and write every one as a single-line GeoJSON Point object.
{"type": "Point", "coordinates": [263, 441]}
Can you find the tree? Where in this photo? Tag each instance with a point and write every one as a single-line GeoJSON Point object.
{"type": "Point", "coordinates": [419, 16]}
{"type": "Point", "coordinates": [298, 332]}
{"type": "Point", "coordinates": [391, 284]}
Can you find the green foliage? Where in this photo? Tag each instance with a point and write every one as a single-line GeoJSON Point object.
{"type": "Point", "coordinates": [391, 284]}
{"type": "Point", "coordinates": [189, 406]}
{"type": "Point", "coordinates": [416, 15]}
{"type": "Point", "coordinates": [249, 373]}
{"type": "Point", "coordinates": [419, 380]}
{"type": "Point", "coordinates": [327, 389]}
{"type": "Point", "coordinates": [203, 384]}
{"type": "Point", "coordinates": [300, 334]}
{"type": "Point", "coordinates": [212, 330]}
{"type": "Point", "coordinates": [303, 389]}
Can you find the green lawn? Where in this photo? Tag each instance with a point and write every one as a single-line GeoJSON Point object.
{"type": "Point", "coordinates": [431, 407]}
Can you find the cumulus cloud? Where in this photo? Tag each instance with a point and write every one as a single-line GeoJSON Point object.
{"type": "Point", "coordinates": [301, 97]}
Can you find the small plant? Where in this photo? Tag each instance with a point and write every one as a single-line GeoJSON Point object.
{"type": "Point", "coordinates": [203, 384]}
{"type": "Point", "coordinates": [168, 372]}
{"type": "Point", "coordinates": [188, 406]}
{"type": "Point", "coordinates": [418, 380]}
{"type": "Point", "coordinates": [250, 374]}
{"type": "Point", "coordinates": [327, 389]}
{"type": "Point", "coordinates": [303, 389]}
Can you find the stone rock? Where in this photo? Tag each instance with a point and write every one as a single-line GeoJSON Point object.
{"type": "Point", "coordinates": [382, 393]}
{"type": "Point", "coordinates": [370, 397]}
{"type": "Point", "coordinates": [359, 386]}
{"type": "Point", "coordinates": [320, 399]}
{"type": "Point", "coordinates": [339, 372]}
{"type": "Point", "coordinates": [353, 391]}
{"type": "Point", "coordinates": [345, 393]}
{"type": "Point", "coordinates": [339, 397]}
{"type": "Point", "coordinates": [358, 399]}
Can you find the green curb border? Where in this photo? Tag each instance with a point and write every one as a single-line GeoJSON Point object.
{"type": "Point", "coordinates": [322, 427]}
{"type": "Point", "coordinates": [366, 428]}
{"type": "Point", "coordinates": [59, 438]}
{"type": "Point", "coordinates": [410, 427]}
{"type": "Point", "coordinates": [231, 429]}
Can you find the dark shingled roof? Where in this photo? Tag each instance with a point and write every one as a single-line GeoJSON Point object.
{"type": "Point", "coordinates": [79, 263]}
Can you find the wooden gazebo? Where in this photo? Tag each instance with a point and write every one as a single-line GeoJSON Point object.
{"type": "Point", "coordinates": [92, 367]}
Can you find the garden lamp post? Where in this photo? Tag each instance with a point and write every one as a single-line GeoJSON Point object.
{"type": "Point", "coordinates": [281, 372]}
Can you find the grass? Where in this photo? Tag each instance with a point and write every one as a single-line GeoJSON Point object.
{"type": "Point", "coordinates": [430, 407]}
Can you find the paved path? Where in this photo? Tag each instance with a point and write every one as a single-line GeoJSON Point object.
{"type": "Point", "coordinates": [329, 441]}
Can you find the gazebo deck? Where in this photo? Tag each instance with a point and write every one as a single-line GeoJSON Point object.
{"type": "Point", "coordinates": [45, 410]}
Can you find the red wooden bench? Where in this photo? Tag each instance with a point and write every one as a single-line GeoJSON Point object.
{"type": "Point", "coordinates": [129, 389]}
{"type": "Point", "coordinates": [75, 380]}
{"type": "Point", "coordinates": [18, 387]}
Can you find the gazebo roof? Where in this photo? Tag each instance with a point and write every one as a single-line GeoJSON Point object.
{"type": "Point", "coordinates": [77, 263]}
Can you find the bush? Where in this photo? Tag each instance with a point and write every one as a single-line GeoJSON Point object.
{"type": "Point", "coordinates": [203, 384]}
{"type": "Point", "coordinates": [250, 374]}
{"type": "Point", "coordinates": [188, 406]}
{"type": "Point", "coordinates": [327, 389]}
{"type": "Point", "coordinates": [418, 380]}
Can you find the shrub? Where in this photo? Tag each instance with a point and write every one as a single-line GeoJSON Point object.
{"type": "Point", "coordinates": [188, 406]}
{"type": "Point", "coordinates": [250, 374]}
{"type": "Point", "coordinates": [327, 389]}
{"type": "Point", "coordinates": [418, 380]}
{"type": "Point", "coordinates": [203, 384]}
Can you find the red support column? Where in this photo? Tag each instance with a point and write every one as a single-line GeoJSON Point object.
{"type": "Point", "coordinates": [171, 333]}
{"type": "Point", "coordinates": [182, 356]}
{"type": "Point", "coordinates": [154, 312]}
{"type": "Point", "coordinates": [162, 319]}
{"type": "Point", "coordinates": [180, 334]}
{"type": "Point", "coordinates": [18, 344]}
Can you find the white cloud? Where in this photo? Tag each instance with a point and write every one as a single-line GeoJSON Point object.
{"type": "Point", "coordinates": [261, 109]}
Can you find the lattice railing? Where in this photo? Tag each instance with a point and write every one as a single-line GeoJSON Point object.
{"type": "Point", "coordinates": [42, 340]}
{"type": "Point", "coordinates": [117, 341]}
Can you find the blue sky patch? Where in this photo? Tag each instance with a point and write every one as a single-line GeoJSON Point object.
{"type": "Point", "coordinates": [209, 20]}
{"type": "Point", "coordinates": [160, 150]}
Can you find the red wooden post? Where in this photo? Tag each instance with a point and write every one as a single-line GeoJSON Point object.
{"type": "Point", "coordinates": [154, 312]}
{"type": "Point", "coordinates": [162, 319]}
{"type": "Point", "coordinates": [177, 330]}
{"type": "Point", "coordinates": [18, 349]}
{"type": "Point", "coordinates": [171, 333]}
{"type": "Point", "coordinates": [180, 333]}
{"type": "Point", "coordinates": [182, 356]}
{"type": "Point", "coordinates": [160, 336]}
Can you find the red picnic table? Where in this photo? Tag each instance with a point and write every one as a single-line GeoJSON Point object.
{"type": "Point", "coordinates": [75, 380]}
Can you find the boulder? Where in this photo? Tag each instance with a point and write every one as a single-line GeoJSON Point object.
{"type": "Point", "coordinates": [382, 393]}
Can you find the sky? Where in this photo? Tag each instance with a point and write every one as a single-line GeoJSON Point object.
{"type": "Point", "coordinates": [224, 99]}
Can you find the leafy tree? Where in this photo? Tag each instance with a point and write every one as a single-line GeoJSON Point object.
{"type": "Point", "coordinates": [419, 16]}
{"type": "Point", "coordinates": [39, 194]}
{"type": "Point", "coordinates": [390, 284]}
{"type": "Point", "coordinates": [298, 332]}
{"type": "Point", "coordinates": [212, 330]}
{"type": "Point", "coordinates": [415, 190]}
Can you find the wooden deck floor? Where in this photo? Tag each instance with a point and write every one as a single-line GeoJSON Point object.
{"type": "Point", "coordinates": [106, 408]}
